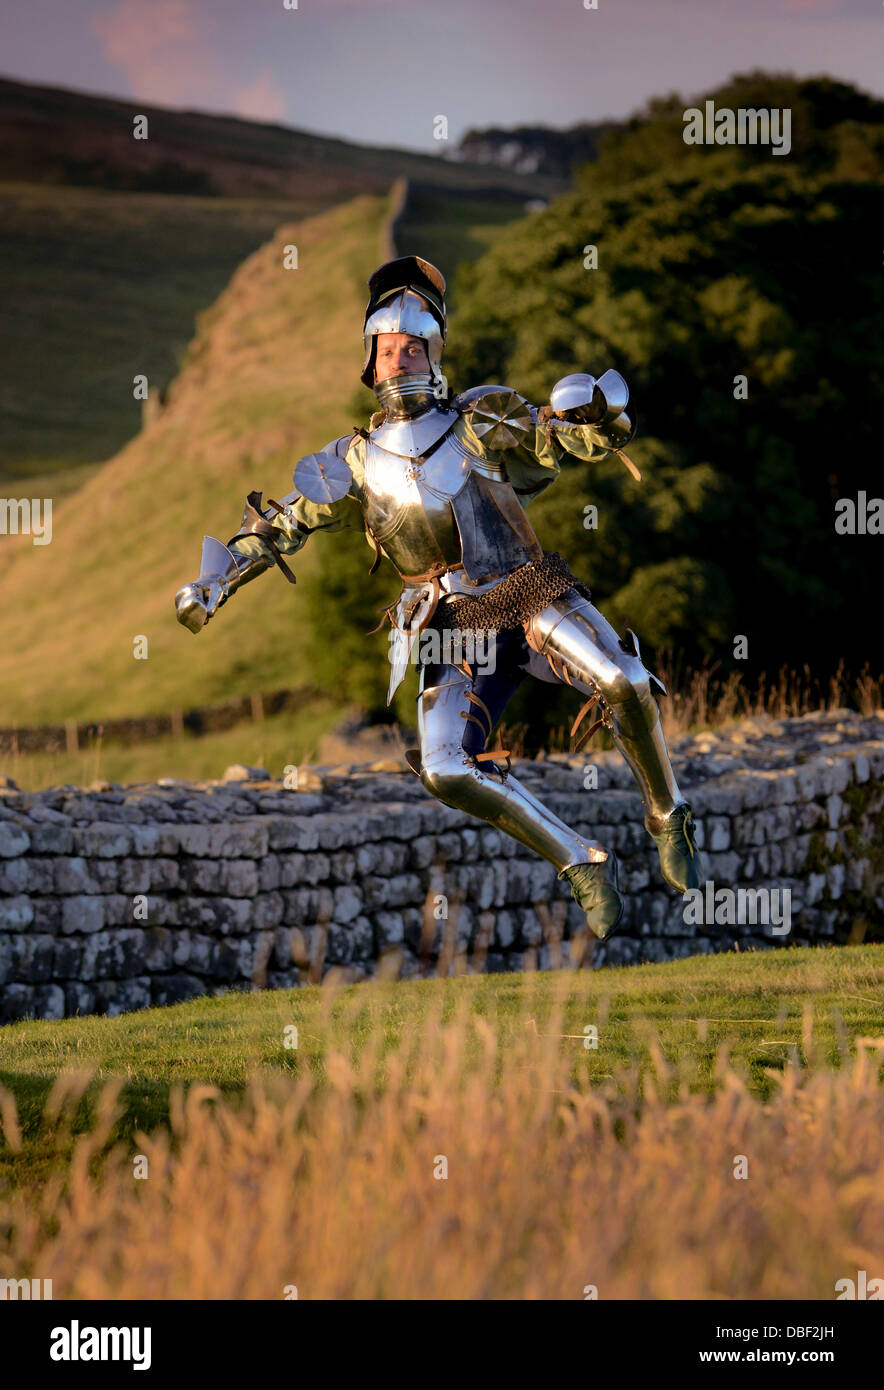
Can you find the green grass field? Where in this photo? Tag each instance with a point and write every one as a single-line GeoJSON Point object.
{"type": "Point", "coordinates": [766, 1007]}
{"type": "Point", "coordinates": [272, 742]}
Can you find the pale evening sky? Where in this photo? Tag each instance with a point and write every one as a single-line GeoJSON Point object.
{"type": "Point", "coordinates": [380, 71]}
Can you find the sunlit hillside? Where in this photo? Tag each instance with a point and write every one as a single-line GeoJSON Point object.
{"type": "Point", "coordinates": [270, 376]}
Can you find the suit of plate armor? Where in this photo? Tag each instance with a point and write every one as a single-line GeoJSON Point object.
{"type": "Point", "coordinates": [438, 482]}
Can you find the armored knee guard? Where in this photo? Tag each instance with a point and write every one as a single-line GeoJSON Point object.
{"type": "Point", "coordinates": [471, 782]}
{"type": "Point", "coordinates": [583, 649]}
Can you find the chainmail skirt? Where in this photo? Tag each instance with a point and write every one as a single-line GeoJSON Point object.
{"type": "Point", "coordinates": [511, 603]}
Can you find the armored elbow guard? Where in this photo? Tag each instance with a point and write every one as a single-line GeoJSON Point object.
{"type": "Point", "coordinates": [255, 523]}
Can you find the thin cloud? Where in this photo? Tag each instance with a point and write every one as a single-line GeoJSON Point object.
{"type": "Point", "coordinates": [162, 49]}
{"type": "Point", "coordinates": [261, 100]}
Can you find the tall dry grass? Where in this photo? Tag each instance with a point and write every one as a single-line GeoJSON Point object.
{"type": "Point", "coordinates": [703, 699]}
{"type": "Point", "coordinates": [555, 1181]}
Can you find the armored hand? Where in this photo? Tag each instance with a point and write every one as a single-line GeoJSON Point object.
{"type": "Point", "coordinates": [221, 574]}
{"type": "Point", "coordinates": [598, 406]}
{"type": "Point", "coordinates": [582, 400]}
{"type": "Point", "coordinates": [195, 603]}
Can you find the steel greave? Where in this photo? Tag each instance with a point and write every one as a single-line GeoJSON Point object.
{"type": "Point", "coordinates": [454, 777]}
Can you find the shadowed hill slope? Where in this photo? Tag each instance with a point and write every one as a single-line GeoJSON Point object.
{"type": "Point", "coordinates": [109, 247]}
{"type": "Point", "coordinates": [58, 136]}
{"type": "Point", "coordinates": [97, 286]}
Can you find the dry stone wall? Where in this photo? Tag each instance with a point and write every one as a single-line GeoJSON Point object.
{"type": "Point", "coordinates": [123, 897]}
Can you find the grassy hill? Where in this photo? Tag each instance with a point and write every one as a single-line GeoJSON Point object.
{"type": "Point", "coordinates": [109, 247]}
{"type": "Point", "coordinates": [96, 286]}
{"type": "Point", "coordinates": [260, 386]}
{"type": "Point", "coordinates": [54, 135]}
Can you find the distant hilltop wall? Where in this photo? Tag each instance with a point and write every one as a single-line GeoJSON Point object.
{"type": "Point", "coordinates": [119, 898]}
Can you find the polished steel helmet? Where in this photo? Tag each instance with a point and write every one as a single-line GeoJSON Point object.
{"type": "Point", "coordinates": [407, 296]}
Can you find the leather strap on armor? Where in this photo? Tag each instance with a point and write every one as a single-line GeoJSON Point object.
{"type": "Point", "coordinates": [255, 523]}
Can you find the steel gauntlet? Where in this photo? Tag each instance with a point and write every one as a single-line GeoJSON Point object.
{"type": "Point", "coordinates": [580, 401]}
{"type": "Point", "coordinates": [221, 574]}
{"type": "Point", "coordinates": [223, 571]}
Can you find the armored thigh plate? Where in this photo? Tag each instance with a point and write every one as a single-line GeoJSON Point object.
{"type": "Point", "coordinates": [456, 778]}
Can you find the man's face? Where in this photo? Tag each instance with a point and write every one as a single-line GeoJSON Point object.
{"type": "Point", "coordinates": [397, 353]}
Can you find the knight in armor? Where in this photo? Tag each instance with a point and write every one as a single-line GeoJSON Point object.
{"type": "Point", "coordinates": [440, 483]}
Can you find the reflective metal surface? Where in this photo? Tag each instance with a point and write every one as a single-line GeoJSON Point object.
{"type": "Point", "coordinates": [322, 477]}
{"type": "Point", "coordinates": [429, 513]}
{"type": "Point", "coordinates": [406, 312]}
{"type": "Point", "coordinates": [578, 638]}
{"type": "Point", "coordinates": [413, 523]}
{"type": "Point", "coordinates": [615, 391]}
{"type": "Point", "coordinates": [221, 574]}
{"type": "Point", "coordinates": [455, 778]}
{"type": "Point", "coordinates": [502, 419]}
{"type": "Point", "coordinates": [582, 398]}
{"type": "Point", "coordinates": [578, 397]}
{"type": "Point", "coordinates": [405, 396]}
{"type": "Point", "coordinates": [411, 438]}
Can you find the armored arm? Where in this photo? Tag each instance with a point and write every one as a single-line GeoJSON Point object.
{"type": "Point", "coordinates": [223, 569]}
{"type": "Point", "coordinates": [585, 418]}
{"type": "Point", "coordinates": [221, 574]}
{"type": "Point", "coordinates": [266, 534]}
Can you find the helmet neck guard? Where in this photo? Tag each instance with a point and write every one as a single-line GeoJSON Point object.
{"type": "Point", "coordinates": [410, 394]}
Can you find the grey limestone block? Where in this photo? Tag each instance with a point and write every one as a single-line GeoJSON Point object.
{"type": "Point", "coordinates": [173, 988]}
{"type": "Point", "coordinates": [103, 840]}
{"type": "Point", "coordinates": [398, 891]}
{"type": "Point", "coordinates": [389, 929]}
{"type": "Point", "coordinates": [16, 876]}
{"type": "Point", "coordinates": [52, 840]}
{"type": "Point", "coordinates": [16, 1001]}
{"type": "Point", "coordinates": [246, 839]}
{"type": "Point", "coordinates": [14, 840]}
{"type": "Point", "coordinates": [147, 875]}
{"type": "Point", "coordinates": [350, 941]}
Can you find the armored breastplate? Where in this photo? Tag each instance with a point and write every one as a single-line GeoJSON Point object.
{"type": "Point", "coordinates": [431, 504]}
